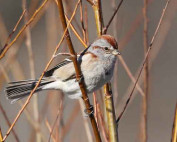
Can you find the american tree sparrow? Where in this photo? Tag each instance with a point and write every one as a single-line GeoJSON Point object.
{"type": "Point", "coordinates": [97, 64]}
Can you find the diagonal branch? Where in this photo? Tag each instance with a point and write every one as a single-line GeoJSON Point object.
{"type": "Point", "coordinates": [3, 52]}
{"type": "Point", "coordinates": [37, 84]}
{"type": "Point", "coordinates": [13, 31]}
{"type": "Point", "coordinates": [144, 62]}
{"type": "Point", "coordinates": [78, 72]}
{"type": "Point", "coordinates": [110, 21]}
{"type": "Point", "coordinates": [8, 122]}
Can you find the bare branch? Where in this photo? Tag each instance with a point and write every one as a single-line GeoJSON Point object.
{"type": "Point", "coordinates": [110, 21]}
{"type": "Point", "coordinates": [78, 72]}
{"type": "Point", "coordinates": [144, 62]}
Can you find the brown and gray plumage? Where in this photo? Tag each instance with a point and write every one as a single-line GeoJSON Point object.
{"type": "Point", "coordinates": [97, 64]}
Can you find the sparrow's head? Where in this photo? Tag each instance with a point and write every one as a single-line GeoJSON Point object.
{"type": "Point", "coordinates": [105, 46]}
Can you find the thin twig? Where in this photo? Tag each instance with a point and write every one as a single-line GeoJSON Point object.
{"type": "Point", "coordinates": [143, 131]}
{"type": "Point", "coordinates": [82, 22]}
{"type": "Point", "coordinates": [37, 84]}
{"type": "Point", "coordinates": [144, 61]}
{"type": "Point", "coordinates": [86, 24]}
{"type": "Point", "coordinates": [76, 33]}
{"type": "Point", "coordinates": [163, 32]}
{"type": "Point", "coordinates": [58, 113]}
{"type": "Point", "coordinates": [8, 122]}
{"type": "Point", "coordinates": [130, 75]}
{"type": "Point", "coordinates": [110, 21]}
{"type": "Point", "coordinates": [13, 31]}
{"type": "Point", "coordinates": [50, 130]}
{"type": "Point", "coordinates": [3, 52]}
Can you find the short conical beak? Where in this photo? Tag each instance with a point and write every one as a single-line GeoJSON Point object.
{"type": "Point", "coordinates": [115, 52]}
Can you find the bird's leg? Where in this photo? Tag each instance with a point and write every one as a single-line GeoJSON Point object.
{"type": "Point", "coordinates": [87, 113]}
{"type": "Point", "coordinates": [80, 78]}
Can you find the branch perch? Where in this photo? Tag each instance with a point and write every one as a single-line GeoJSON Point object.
{"type": "Point", "coordinates": [78, 71]}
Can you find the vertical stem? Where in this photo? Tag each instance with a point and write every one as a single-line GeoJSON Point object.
{"type": "Point", "coordinates": [174, 131]}
{"type": "Point", "coordinates": [98, 16]}
{"type": "Point", "coordinates": [32, 70]}
{"type": "Point", "coordinates": [78, 72]}
{"type": "Point", "coordinates": [110, 112]}
{"type": "Point", "coordinates": [1, 137]}
{"type": "Point", "coordinates": [146, 77]}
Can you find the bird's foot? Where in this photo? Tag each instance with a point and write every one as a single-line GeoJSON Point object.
{"type": "Point", "coordinates": [89, 111]}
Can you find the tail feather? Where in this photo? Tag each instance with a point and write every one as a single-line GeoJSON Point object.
{"type": "Point", "coordinates": [20, 89]}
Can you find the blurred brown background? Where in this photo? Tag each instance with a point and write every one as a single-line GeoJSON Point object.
{"type": "Point", "coordinates": [129, 29]}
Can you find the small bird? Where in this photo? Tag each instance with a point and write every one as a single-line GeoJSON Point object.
{"type": "Point", "coordinates": [97, 65]}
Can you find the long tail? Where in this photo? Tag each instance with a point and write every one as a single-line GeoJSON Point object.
{"type": "Point", "coordinates": [20, 89]}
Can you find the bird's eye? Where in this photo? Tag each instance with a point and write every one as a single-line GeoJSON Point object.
{"type": "Point", "coordinates": [106, 48]}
